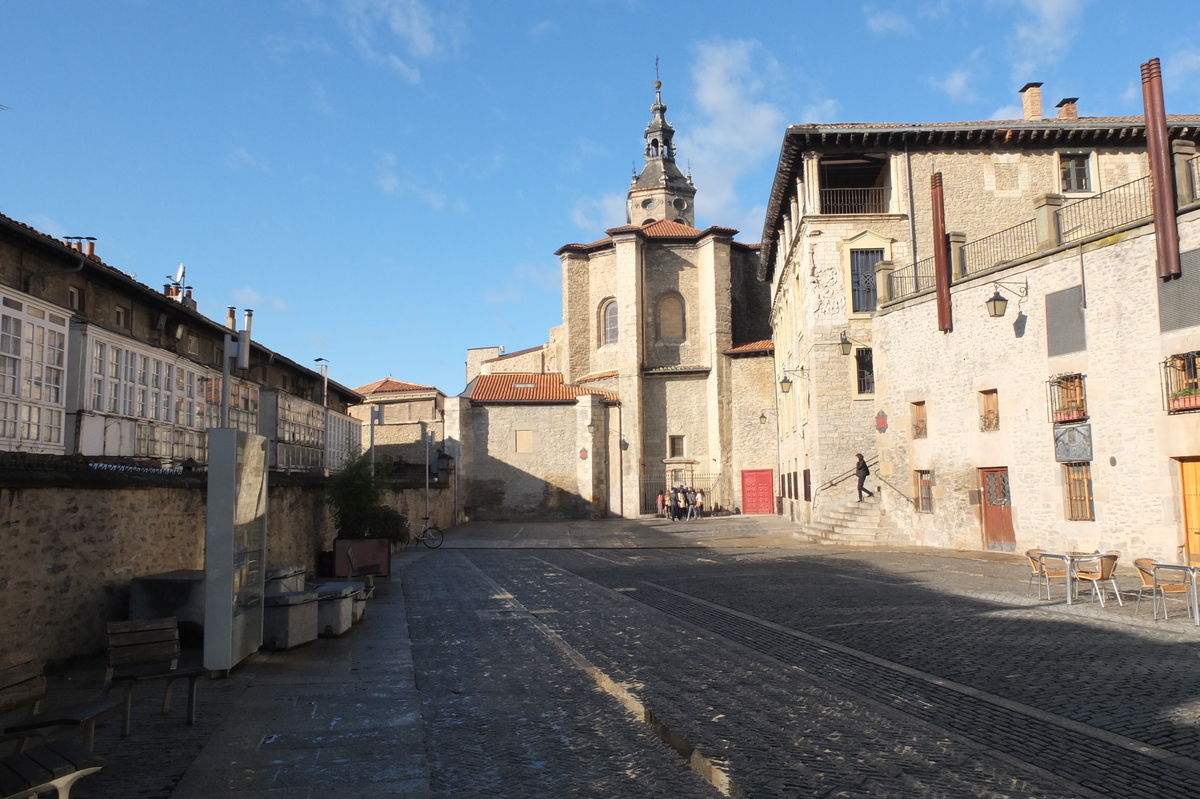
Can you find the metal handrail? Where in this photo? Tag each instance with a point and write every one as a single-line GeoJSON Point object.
{"type": "Point", "coordinates": [1000, 247]}
{"type": "Point", "coordinates": [1121, 205]}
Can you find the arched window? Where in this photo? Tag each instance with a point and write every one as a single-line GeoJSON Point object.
{"type": "Point", "coordinates": [671, 325]}
{"type": "Point", "coordinates": [608, 320]}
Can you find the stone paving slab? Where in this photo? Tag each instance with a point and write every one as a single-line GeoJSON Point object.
{"type": "Point", "coordinates": [487, 703]}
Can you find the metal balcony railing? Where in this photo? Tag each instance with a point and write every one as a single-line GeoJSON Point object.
{"type": "Point", "coordinates": [911, 279]}
{"type": "Point", "coordinates": [855, 201]}
{"type": "Point", "coordinates": [1000, 247]}
{"type": "Point", "coordinates": [1123, 205]}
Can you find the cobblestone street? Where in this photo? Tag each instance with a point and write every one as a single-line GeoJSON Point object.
{"type": "Point", "coordinates": [718, 658]}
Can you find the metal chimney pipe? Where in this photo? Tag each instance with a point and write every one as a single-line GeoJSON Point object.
{"type": "Point", "coordinates": [1162, 177]}
{"type": "Point", "coordinates": [244, 340]}
{"type": "Point", "coordinates": [941, 264]}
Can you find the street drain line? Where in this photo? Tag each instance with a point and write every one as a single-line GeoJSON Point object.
{"type": "Point", "coordinates": [713, 771]}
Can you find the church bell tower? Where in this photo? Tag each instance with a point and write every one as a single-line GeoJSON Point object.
{"type": "Point", "coordinates": [661, 191]}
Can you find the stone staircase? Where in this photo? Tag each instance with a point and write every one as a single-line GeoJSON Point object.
{"type": "Point", "coordinates": [853, 523]}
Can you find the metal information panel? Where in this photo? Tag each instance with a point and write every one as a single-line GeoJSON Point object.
{"type": "Point", "coordinates": [234, 546]}
{"type": "Point", "coordinates": [1073, 443]}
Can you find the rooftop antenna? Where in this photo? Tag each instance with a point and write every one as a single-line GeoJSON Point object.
{"type": "Point", "coordinates": [656, 77]}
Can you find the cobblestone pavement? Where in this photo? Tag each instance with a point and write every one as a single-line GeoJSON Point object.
{"type": "Point", "coordinates": [726, 657]}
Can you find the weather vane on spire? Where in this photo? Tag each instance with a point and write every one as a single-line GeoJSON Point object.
{"type": "Point", "coordinates": [656, 68]}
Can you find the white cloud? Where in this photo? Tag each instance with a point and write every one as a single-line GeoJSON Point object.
{"type": "Point", "coordinates": [321, 102]}
{"type": "Point", "coordinates": [543, 30]}
{"type": "Point", "coordinates": [391, 182]}
{"type": "Point", "coordinates": [1043, 34]}
{"type": "Point", "coordinates": [281, 46]}
{"type": "Point", "coordinates": [883, 23]}
{"type": "Point", "coordinates": [525, 278]}
{"type": "Point", "coordinates": [246, 297]}
{"type": "Point", "coordinates": [1181, 69]}
{"type": "Point", "coordinates": [956, 84]}
{"type": "Point", "coordinates": [241, 157]}
{"type": "Point", "coordinates": [825, 110]}
{"type": "Point", "coordinates": [737, 129]}
{"type": "Point", "coordinates": [596, 214]}
{"type": "Point", "coordinates": [399, 33]}
{"type": "Point", "coordinates": [44, 224]}
{"type": "Point", "coordinates": [1008, 112]}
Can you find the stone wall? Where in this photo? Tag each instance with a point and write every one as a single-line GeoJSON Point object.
{"type": "Point", "coordinates": [501, 483]}
{"type": "Point", "coordinates": [1136, 444]}
{"type": "Point", "coordinates": [755, 443]}
{"type": "Point", "coordinates": [67, 553]}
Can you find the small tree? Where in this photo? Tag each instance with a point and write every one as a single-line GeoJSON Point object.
{"type": "Point", "coordinates": [358, 509]}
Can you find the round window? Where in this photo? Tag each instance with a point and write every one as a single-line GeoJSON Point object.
{"type": "Point", "coordinates": [680, 204]}
{"type": "Point", "coordinates": [648, 202]}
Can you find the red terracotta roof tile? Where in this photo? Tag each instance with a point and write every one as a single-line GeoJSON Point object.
{"type": "Point", "coordinates": [766, 345]}
{"type": "Point", "coordinates": [388, 386]}
{"type": "Point", "coordinates": [598, 376]}
{"type": "Point", "coordinates": [533, 388]}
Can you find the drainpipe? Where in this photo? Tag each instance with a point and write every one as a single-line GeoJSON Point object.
{"type": "Point", "coordinates": [78, 267]}
{"type": "Point", "coordinates": [941, 269]}
{"type": "Point", "coordinates": [912, 211]}
{"type": "Point", "coordinates": [1158, 149]}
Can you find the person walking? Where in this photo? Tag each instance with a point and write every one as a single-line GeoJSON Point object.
{"type": "Point", "coordinates": [671, 499]}
{"type": "Point", "coordinates": [680, 502]}
{"type": "Point", "coordinates": [700, 504]}
{"type": "Point", "coordinates": [660, 502]}
{"type": "Point", "coordinates": [691, 503]}
{"type": "Point", "coordinates": [862, 470]}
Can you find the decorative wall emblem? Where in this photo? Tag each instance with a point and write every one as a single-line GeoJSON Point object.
{"type": "Point", "coordinates": [583, 453]}
{"type": "Point", "coordinates": [1072, 443]}
{"type": "Point", "coordinates": [881, 422]}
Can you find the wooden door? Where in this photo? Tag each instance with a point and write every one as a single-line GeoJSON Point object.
{"type": "Point", "coordinates": [758, 491]}
{"type": "Point", "coordinates": [997, 510]}
{"type": "Point", "coordinates": [1190, 481]}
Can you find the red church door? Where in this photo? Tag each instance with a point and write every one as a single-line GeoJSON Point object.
{"type": "Point", "coordinates": [758, 491]}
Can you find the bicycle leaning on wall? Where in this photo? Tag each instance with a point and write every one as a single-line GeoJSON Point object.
{"type": "Point", "coordinates": [428, 534]}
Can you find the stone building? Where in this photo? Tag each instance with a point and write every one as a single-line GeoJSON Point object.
{"type": "Point", "coordinates": [960, 410]}
{"type": "Point", "coordinates": [403, 415]}
{"type": "Point", "coordinates": [668, 324]}
{"type": "Point", "coordinates": [95, 363]}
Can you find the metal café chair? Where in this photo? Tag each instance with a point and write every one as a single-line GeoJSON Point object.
{"type": "Point", "coordinates": [1045, 571]}
{"type": "Point", "coordinates": [1106, 566]}
{"type": "Point", "coordinates": [1157, 588]}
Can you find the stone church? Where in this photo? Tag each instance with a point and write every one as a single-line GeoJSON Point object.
{"type": "Point", "coordinates": [660, 374]}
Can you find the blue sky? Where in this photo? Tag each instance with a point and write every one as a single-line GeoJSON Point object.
{"type": "Point", "coordinates": [385, 181]}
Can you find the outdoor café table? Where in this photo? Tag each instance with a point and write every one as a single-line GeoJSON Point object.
{"type": "Point", "coordinates": [1193, 608]}
{"type": "Point", "coordinates": [1070, 561]}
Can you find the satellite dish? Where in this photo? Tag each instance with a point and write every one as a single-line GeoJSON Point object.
{"type": "Point", "coordinates": [179, 273]}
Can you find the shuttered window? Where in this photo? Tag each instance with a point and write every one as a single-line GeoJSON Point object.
{"type": "Point", "coordinates": [1065, 323]}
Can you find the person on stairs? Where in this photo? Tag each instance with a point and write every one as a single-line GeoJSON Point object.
{"type": "Point", "coordinates": [862, 470]}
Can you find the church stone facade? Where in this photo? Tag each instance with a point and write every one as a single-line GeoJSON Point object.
{"type": "Point", "coordinates": [666, 334]}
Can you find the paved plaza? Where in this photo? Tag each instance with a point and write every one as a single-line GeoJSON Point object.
{"type": "Point", "coordinates": [724, 657]}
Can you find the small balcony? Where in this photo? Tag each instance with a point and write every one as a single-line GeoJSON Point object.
{"type": "Point", "coordinates": [855, 201]}
{"type": "Point", "coordinates": [1181, 382]}
{"type": "Point", "coordinates": [1068, 399]}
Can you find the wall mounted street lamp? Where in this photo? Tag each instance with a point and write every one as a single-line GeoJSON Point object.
{"type": "Point", "coordinates": [591, 428]}
{"type": "Point", "coordinates": [997, 304]}
{"type": "Point", "coordinates": [845, 344]}
{"type": "Point", "coordinates": [762, 419]}
{"type": "Point", "coordinates": [785, 385]}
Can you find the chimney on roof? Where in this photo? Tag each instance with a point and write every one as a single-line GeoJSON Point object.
{"type": "Point", "coordinates": [91, 249]}
{"type": "Point", "coordinates": [1031, 101]}
{"type": "Point", "coordinates": [231, 318]}
{"type": "Point", "coordinates": [1067, 108]}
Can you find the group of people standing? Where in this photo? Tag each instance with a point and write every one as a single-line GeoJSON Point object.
{"type": "Point", "coordinates": [681, 503]}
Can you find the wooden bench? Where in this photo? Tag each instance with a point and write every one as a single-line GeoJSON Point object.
{"type": "Point", "coordinates": [144, 650]}
{"type": "Point", "coordinates": [50, 766]}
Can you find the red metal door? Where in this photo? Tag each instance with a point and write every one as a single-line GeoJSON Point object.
{"type": "Point", "coordinates": [758, 491]}
{"type": "Point", "coordinates": [997, 510]}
